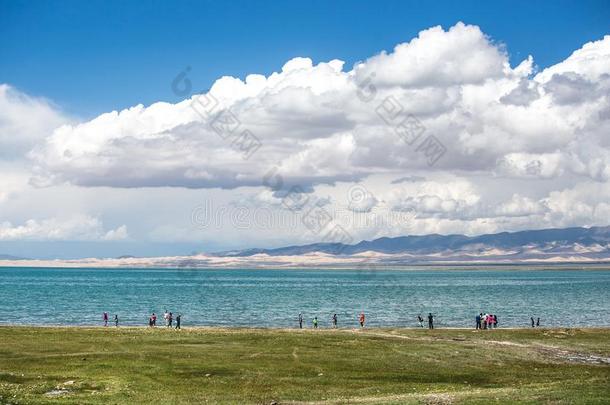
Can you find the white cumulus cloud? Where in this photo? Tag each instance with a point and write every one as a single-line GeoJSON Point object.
{"type": "Point", "coordinates": [75, 228]}
{"type": "Point", "coordinates": [24, 120]}
{"type": "Point", "coordinates": [320, 123]}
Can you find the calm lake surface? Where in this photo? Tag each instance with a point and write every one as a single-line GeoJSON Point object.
{"type": "Point", "coordinates": [274, 298]}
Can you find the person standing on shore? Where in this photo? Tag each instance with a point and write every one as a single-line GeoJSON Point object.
{"type": "Point", "coordinates": [166, 317]}
{"type": "Point", "coordinates": [315, 322]}
{"type": "Point", "coordinates": [430, 321]}
{"type": "Point", "coordinates": [495, 321]}
{"type": "Point", "coordinates": [300, 321]}
{"type": "Point", "coordinates": [105, 318]}
{"type": "Point", "coordinates": [178, 321]}
{"type": "Point", "coordinates": [537, 322]}
{"type": "Point", "coordinates": [170, 319]}
{"type": "Point", "coordinates": [335, 321]}
{"type": "Point", "coordinates": [154, 319]}
{"type": "Point", "coordinates": [361, 319]}
{"type": "Point", "coordinates": [116, 320]}
{"type": "Point", "coordinates": [420, 320]}
{"type": "Point", "coordinates": [477, 321]}
{"type": "Point", "coordinates": [532, 319]}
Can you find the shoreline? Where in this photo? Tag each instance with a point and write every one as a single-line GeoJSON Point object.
{"type": "Point", "coordinates": [372, 267]}
{"type": "Point", "coordinates": [283, 329]}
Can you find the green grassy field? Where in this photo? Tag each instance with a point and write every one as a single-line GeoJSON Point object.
{"type": "Point", "coordinates": [137, 365]}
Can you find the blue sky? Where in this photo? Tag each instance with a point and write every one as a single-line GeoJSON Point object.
{"type": "Point", "coordinates": [524, 144]}
{"type": "Point", "coordinates": [96, 56]}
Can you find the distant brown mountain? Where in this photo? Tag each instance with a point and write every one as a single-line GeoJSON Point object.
{"type": "Point", "coordinates": [590, 243]}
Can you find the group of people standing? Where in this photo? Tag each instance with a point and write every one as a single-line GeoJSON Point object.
{"type": "Point", "coordinates": [362, 320]}
{"type": "Point", "coordinates": [482, 321]}
{"type": "Point", "coordinates": [105, 318]}
{"type": "Point", "coordinates": [169, 320]}
{"type": "Point", "coordinates": [420, 319]}
{"type": "Point", "coordinates": [334, 320]}
{"type": "Point", "coordinates": [152, 320]}
{"type": "Point", "coordinates": [486, 321]}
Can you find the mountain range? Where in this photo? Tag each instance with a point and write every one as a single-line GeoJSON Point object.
{"type": "Point", "coordinates": [590, 243]}
{"type": "Point", "coordinates": [589, 246]}
{"type": "Point", "coordinates": [11, 257]}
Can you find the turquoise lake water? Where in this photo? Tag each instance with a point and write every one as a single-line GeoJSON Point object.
{"type": "Point", "coordinates": [274, 298]}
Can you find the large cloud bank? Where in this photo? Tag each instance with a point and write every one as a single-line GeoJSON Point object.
{"type": "Point", "coordinates": [320, 123]}
{"type": "Point", "coordinates": [521, 147]}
